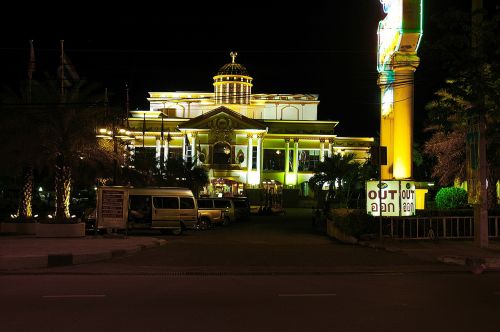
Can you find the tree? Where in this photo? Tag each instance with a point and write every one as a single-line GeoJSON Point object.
{"type": "Point", "coordinates": [68, 133]}
{"type": "Point", "coordinates": [186, 174]}
{"type": "Point", "coordinates": [343, 175]}
{"type": "Point", "coordinates": [59, 130]}
{"type": "Point", "coordinates": [20, 143]}
{"type": "Point", "coordinates": [472, 88]}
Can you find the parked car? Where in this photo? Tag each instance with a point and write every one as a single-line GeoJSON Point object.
{"type": "Point", "coordinates": [212, 211]}
{"type": "Point", "coordinates": [241, 208]}
{"type": "Point", "coordinates": [223, 210]}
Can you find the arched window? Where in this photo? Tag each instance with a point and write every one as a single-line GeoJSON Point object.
{"type": "Point", "coordinates": [222, 153]}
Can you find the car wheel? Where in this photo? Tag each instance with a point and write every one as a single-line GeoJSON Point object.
{"type": "Point", "coordinates": [177, 231]}
{"type": "Point", "coordinates": [204, 224]}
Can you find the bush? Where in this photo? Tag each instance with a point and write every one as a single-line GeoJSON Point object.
{"type": "Point", "coordinates": [451, 198]}
{"type": "Point", "coordinates": [354, 222]}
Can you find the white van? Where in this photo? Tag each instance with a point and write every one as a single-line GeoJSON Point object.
{"type": "Point", "coordinates": [163, 208]}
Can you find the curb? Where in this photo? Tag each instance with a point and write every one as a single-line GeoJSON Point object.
{"type": "Point", "coordinates": [476, 264]}
{"type": "Point", "coordinates": [489, 263]}
{"type": "Point", "coordinates": [63, 259]}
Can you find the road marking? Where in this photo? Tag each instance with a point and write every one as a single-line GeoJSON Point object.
{"type": "Point", "coordinates": [307, 295]}
{"type": "Point", "coordinates": [72, 296]}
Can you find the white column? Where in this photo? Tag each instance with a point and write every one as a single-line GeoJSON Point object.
{"type": "Point", "coordinates": [184, 147]}
{"type": "Point", "coordinates": [165, 146]}
{"type": "Point", "coordinates": [322, 150]}
{"type": "Point", "coordinates": [330, 148]}
{"type": "Point", "coordinates": [249, 158]}
{"type": "Point", "coordinates": [287, 159]}
{"type": "Point", "coordinates": [158, 152]}
{"type": "Point", "coordinates": [259, 157]}
{"type": "Point", "coordinates": [296, 159]}
{"type": "Point", "coordinates": [193, 149]}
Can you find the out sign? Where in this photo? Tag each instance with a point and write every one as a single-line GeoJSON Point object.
{"type": "Point", "coordinates": [391, 198]}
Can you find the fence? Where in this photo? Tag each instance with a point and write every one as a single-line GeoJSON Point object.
{"type": "Point", "coordinates": [440, 227]}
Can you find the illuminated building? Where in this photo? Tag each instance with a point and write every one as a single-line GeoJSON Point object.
{"type": "Point", "coordinates": [246, 140]}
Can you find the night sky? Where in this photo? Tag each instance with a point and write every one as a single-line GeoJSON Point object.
{"type": "Point", "coordinates": [326, 48]}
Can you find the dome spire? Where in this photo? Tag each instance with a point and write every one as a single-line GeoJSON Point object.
{"type": "Point", "coordinates": [233, 55]}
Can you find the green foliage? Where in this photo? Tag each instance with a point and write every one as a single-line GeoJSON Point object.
{"type": "Point", "coordinates": [354, 222]}
{"type": "Point", "coordinates": [345, 176]}
{"type": "Point", "coordinates": [451, 198]}
{"type": "Point", "coordinates": [468, 57]}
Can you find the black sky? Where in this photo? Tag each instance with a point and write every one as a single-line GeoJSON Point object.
{"type": "Point", "coordinates": [320, 47]}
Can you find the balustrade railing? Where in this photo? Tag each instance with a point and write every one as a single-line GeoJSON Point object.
{"type": "Point", "coordinates": [440, 227]}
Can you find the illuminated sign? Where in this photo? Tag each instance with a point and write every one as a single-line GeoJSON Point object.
{"type": "Point", "coordinates": [389, 31]}
{"type": "Point", "coordinates": [400, 30]}
{"type": "Point", "coordinates": [394, 198]}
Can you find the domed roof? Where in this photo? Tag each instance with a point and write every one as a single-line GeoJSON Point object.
{"type": "Point", "coordinates": [233, 68]}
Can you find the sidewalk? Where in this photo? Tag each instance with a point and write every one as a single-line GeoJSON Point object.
{"type": "Point", "coordinates": [26, 251]}
{"type": "Point", "coordinates": [457, 252]}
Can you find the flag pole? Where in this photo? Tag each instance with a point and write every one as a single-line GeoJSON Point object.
{"type": "Point", "coordinates": [31, 69]}
{"type": "Point", "coordinates": [143, 129]}
{"type": "Point", "coordinates": [127, 105]}
{"type": "Point", "coordinates": [62, 67]}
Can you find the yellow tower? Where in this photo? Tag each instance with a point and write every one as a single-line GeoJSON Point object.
{"type": "Point", "coordinates": [399, 35]}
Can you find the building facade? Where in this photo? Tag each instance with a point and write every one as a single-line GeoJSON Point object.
{"type": "Point", "coordinates": [245, 140]}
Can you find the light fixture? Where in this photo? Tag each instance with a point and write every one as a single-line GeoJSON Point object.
{"type": "Point", "coordinates": [227, 150]}
{"type": "Point", "coordinates": [278, 152]}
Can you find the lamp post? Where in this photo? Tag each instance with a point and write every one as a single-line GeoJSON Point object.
{"type": "Point", "coordinates": [118, 135]}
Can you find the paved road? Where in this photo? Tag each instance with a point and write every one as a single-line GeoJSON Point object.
{"type": "Point", "coordinates": [267, 274]}
{"type": "Point", "coordinates": [265, 244]}
{"type": "Point", "coordinates": [362, 302]}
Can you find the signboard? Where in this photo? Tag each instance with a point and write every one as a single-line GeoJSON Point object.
{"type": "Point", "coordinates": [400, 30]}
{"type": "Point", "coordinates": [393, 198]}
{"type": "Point", "coordinates": [111, 208]}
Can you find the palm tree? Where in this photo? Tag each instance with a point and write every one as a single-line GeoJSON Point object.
{"type": "Point", "coordinates": [341, 172]}
{"type": "Point", "coordinates": [59, 130]}
{"type": "Point", "coordinates": [20, 140]}
{"type": "Point", "coordinates": [68, 135]}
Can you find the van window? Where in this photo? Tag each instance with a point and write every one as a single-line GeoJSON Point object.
{"type": "Point", "coordinates": [222, 204]}
{"type": "Point", "coordinates": [166, 202]}
{"type": "Point", "coordinates": [187, 203]}
{"type": "Point", "coordinates": [205, 204]}
{"type": "Point", "coordinates": [240, 203]}
{"type": "Point", "coordinates": [139, 202]}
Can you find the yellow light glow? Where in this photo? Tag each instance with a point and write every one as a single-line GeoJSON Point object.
{"type": "Point", "coordinates": [253, 178]}
{"type": "Point", "coordinates": [291, 179]}
{"type": "Point", "coordinates": [387, 101]}
{"type": "Point", "coordinates": [103, 130]}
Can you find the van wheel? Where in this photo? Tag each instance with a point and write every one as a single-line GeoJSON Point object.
{"type": "Point", "coordinates": [204, 224]}
{"type": "Point", "coordinates": [177, 231]}
{"type": "Point", "coordinates": [226, 221]}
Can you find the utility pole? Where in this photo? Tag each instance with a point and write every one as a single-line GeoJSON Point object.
{"type": "Point", "coordinates": [113, 136]}
{"type": "Point", "coordinates": [477, 175]}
